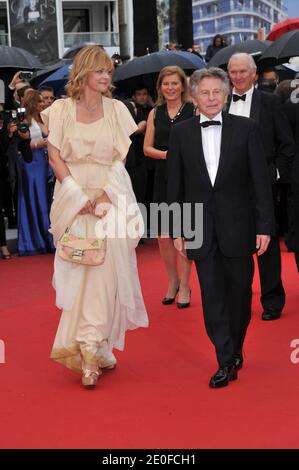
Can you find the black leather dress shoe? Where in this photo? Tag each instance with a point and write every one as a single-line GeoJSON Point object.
{"type": "Point", "coordinates": [223, 376]}
{"type": "Point", "coordinates": [238, 361]}
{"type": "Point", "coordinates": [170, 300]}
{"type": "Point", "coordinates": [271, 314]}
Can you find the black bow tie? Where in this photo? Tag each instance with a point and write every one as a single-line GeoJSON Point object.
{"type": "Point", "coordinates": [238, 97]}
{"type": "Point", "coordinates": [210, 123]}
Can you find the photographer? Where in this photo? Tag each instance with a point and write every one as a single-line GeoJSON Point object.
{"type": "Point", "coordinates": [18, 82]}
{"type": "Point", "coordinates": [3, 176]}
{"type": "Point", "coordinates": [218, 44]}
{"type": "Point", "coordinates": [34, 192]}
{"type": "Point", "coordinates": [12, 141]}
{"type": "Point", "coordinates": [18, 133]}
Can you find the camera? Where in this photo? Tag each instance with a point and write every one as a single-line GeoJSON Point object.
{"type": "Point", "coordinates": [17, 117]}
{"type": "Point", "coordinates": [117, 60]}
{"type": "Point", "coordinates": [25, 75]}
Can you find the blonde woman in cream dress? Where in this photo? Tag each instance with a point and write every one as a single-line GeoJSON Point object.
{"type": "Point", "coordinates": [87, 143]}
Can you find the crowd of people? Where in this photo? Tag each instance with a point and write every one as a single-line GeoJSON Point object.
{"type": "Point", "coordinates": [217, 44]}
{"type": "Point", "coordinates": [226, 140]}
{"type": "Point", "coordinates": [26, 176]}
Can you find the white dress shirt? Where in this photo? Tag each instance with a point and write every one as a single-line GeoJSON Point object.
{"type": "Point", "coordinates": [211, 144]}
{"type": "Point", "coordinates": [242, 108]}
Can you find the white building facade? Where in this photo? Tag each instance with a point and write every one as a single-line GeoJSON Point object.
{"type": "Point", "coordinates": [236, 20]}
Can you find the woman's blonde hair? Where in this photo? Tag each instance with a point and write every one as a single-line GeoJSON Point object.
{"type": "Point", "coordinates": [89, 59]}
{"type": "Point", "coordinates": [172, 70]}
{"type": "Point", "coordinates": [30, 101]}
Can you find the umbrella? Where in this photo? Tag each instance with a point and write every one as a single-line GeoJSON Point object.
{"type": "Point", "coordinates": [18, 59]}
{"type": "Point", "coordinates": [286, 72]}
{"type": "Point", "coordinates": [143, 71]}
{"type": "Point", "coordinates": [293, 64]}
{"type": "Point", "coordinates": [72, 51]}
{"type": "Point", "coordinates": [58, 80]}
{"type": "Point", "coordinates": [281, 50]}
{"type": "Point", "coordinates": [284, 27]}
{"type": "Point", "coordinates": [194, 58]}
{"type": "Point", "coordinates": [41, 75]}
{"type": "Point", "coordinates": [253, 47]}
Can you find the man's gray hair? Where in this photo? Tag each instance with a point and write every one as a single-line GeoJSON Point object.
{"type": "Point", "coordinates": [243, 55]}
{"type": "Point", "coordinates": [212, 72]}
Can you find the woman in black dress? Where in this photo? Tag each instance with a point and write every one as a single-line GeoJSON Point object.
{"type": "Point", "coordinates": [173, 106]}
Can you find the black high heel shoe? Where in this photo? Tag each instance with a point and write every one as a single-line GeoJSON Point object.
{"type": "Point", "coordinates": [184, 304]}
{"type": "Point", "coordinates": [170, 300]}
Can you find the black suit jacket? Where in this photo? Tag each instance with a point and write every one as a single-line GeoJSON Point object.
{"type": "Point", "coordinates": [295, 183]}
{"type": "Point", "coordinates": [290, 110]}
{"type": "Point", "coordinates": [295, 169]}
{"type": "Point", "coordinates": [297, 130]}
{"type": "Point", "coordinates": [268, 113]}
{"type": "Point", "coordinates": [239, 205]}
{"type": "Point", "coordinates": [4, 142]}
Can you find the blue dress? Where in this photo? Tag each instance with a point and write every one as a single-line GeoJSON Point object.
{"type": "Point", "coordinates": [34, 201]}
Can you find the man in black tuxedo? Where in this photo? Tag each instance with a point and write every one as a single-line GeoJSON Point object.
{"type": "Point", "coordinates": [266, 109]}
{"type": "Point", "coordinates": [294, 110]}
{"type": "Point", "coordinates": [218, 160]}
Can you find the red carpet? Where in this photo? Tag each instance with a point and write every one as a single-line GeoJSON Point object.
{"type": "Point", "coordinates": [158, 397]}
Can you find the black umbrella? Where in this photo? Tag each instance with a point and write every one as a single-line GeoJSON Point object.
{"type": "Point", "coordinates": [72, 51]}
{"type": "Point", "coordinates": [286, 72]}
{"type": "Point", "coordinates": [18, 59]}
{"type": "Point", "coordinates": [143, 71]}
{"type": "Point", "coordinates": [282, 49]}
{"type": "Point", "coordinates": [41, 75]}
{"type": "Point", "coordinates": [253, 47]}
{"type": "Point", "coordinates": [58, 79]}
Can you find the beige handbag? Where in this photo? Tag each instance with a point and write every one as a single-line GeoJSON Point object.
{"type": "Point", "coordinates": [80, 250]}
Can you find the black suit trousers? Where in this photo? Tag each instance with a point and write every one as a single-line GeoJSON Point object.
{"type": "Point", "coordinates": [273, 294]}
{"type": "Point", "coordinates": [2, 229]}
{"type": "Point", "coordinates": [226, 300]}
{"type": "Point", "coordinates": [269, 264]}
{"type": "Point", "coordinates": [2, 224]}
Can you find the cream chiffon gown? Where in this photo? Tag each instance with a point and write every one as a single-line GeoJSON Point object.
{"type": "Point", "coordinates": [97, 321]}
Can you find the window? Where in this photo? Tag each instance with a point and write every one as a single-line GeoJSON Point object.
{"type": "Point", "coordinates": [209, 27]}
{"type": "Point", "coordinates": [3, 27]}
{"type": "Point", "coordinates": [242, 21]}
{"type": "Point", "coordinates": [3, 20]}
{"type": "Point", "coordinates": [224, 6]}
{"type": "Point", "coordinates": [76, 20]}
{"type": "Point", "coordinates": [197, 13]}
{"type": "Point", "coordinates": [225, 23]}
